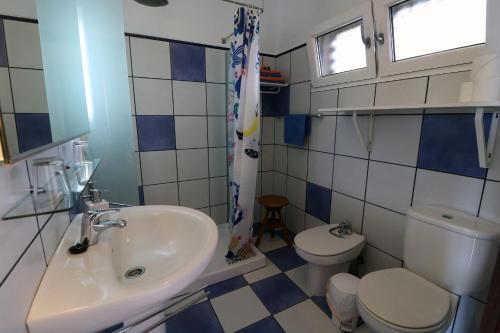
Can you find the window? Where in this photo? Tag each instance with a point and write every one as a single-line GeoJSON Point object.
{"type": "Point", "coordinates": [426, 34]}
{"type": "Point", "coordinates": [421, 27]}
{"type": "Point", "coordinates": [341, 50]}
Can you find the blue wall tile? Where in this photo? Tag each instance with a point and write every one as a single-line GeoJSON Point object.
{"type": "Point", "coordinates": [3, 47]}
{"type": "Point", "coordinates": [188, 62]}
{"type": "Point", "coordinates": [274, 105]}
{"type": "Point", "coordinates": [155, 133]}
{"type": "Point", "coordinates": [33, 130]}
{"type": "Point", "coordinates": [226, 286]}
{"type": "Point", "coordinates": [318, 202]}
{"type": "Point", "coordinates": [448, 144]}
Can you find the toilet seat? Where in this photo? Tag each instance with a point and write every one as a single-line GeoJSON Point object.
{"type": "Point", "coordinates": [401, 301]}
{"type": "Point", "coordinates": [317, 245]}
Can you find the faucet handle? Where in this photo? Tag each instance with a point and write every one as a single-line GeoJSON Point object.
{"type": "Point", "coordinates": [95, 215]}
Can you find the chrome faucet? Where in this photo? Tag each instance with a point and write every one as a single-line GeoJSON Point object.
{"type": "Point", "coordinates": [343, 229]}
{"type": "Point", "coordinates": [92, 227]}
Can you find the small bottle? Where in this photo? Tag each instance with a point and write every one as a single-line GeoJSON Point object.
{"type": "Point", "coordinates": [96, 201]}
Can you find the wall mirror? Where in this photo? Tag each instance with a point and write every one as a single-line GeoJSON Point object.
{"type": "Point", "coordinates": [30, 121]}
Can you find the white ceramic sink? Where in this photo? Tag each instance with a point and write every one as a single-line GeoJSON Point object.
{"type": "Point", "coordinates": [89, 292]}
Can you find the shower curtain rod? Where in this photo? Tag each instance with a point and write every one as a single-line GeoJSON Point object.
{"type": "Point", "coordinates": [260, 10]}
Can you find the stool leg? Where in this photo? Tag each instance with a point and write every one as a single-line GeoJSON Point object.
{"type": "Point", "coordinates": [263, 227]}
{"type": "Point", "coordinates": [285, 230]}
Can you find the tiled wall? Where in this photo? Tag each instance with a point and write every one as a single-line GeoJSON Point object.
{"type": "Point", "coordinates": [179, 109]}
{"type": "Point", "coordinates": [26, 245]}
{"type": "Point", "coordinates": [23, 102]}
{"type": "Point", "coordinates": [419, 157]}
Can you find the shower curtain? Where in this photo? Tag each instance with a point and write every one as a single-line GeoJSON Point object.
{"type": "Point", "coordinates": [243, 130]}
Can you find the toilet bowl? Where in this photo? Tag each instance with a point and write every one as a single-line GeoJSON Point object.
{"type": "Point", "coordinates": [326, 254]}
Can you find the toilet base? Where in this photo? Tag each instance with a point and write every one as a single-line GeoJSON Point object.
{"type": "Point", "coordinates": [318, 275]}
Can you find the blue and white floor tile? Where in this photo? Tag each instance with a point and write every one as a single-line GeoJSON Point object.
{"type": "Point", "coordinates": [273, 299]}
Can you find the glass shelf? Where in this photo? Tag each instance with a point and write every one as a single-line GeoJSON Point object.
{"type": "Point", "coordinates": [78, 177]}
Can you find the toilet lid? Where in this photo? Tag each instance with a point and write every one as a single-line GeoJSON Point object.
{"type": "Point", "coordinates": [404, 299]}
{"type": "Point", "coordinates": [318, 241]}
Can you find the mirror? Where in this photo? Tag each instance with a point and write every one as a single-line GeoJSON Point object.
{"type": "Point", "coordinates": [30, 121]}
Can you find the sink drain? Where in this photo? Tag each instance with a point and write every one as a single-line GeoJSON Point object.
{"type": "Point", "coordinates": [135, 272]}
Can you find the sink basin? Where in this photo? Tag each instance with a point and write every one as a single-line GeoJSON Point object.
{"type": "Point", "coordinates": [160, 252]}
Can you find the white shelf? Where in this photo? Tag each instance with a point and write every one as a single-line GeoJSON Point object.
{"type": "Point", "coordinates": [273, 84]}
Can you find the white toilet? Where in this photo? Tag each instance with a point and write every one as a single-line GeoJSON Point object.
{"type": "Point", "coordinates": [446, 253]}
{"type": "Point", "coordinates": [326, 254]}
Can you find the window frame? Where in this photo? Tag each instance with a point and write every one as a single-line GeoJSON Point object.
{"type": "Point", "coordinates": [362, 12]}
{"type": "Point", "coordinates": [386, 64]}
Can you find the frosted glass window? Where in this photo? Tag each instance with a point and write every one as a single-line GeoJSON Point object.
{"type": "Point", "coordinates": [423, 27]}
{"type": "Point", "coordinates": [341, 50]}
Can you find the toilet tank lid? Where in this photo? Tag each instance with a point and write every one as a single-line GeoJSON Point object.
{"type": "Point", "coordinates": [456, 221]}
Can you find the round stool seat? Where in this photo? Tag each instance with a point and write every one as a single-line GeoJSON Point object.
{"type": "Point", "coordinates": [273, 201]}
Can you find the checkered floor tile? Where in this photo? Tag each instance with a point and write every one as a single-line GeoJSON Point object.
{"type": "Point", "coordinates": [273, 299]}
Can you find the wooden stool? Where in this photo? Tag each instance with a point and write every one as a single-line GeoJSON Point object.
{"type": "Point", "coordinates": [273, 218]}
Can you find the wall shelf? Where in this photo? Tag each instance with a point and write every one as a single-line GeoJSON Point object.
{"type": "Point", "coordinates": [271, 87]}
{"type": "Point", "coordinates": [31, 206]}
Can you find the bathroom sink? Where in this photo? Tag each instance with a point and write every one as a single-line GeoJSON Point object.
{"type": "Point", "coordinates": [130, 270]}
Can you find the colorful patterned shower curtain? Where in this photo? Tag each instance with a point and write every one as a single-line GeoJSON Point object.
{"type": "Point", "coordinates": [243, 130]}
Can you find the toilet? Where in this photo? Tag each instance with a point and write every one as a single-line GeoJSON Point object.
{"type": "Point", "coordinates": [447, 253]}
{"type": "Point", "coordinates": [326, 254]}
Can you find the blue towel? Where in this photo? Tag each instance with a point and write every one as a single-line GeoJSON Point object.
{"type": "Point", "coordinates": [297, 128]}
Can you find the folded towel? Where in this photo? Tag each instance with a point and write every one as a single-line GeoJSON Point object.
{"type": "Point", "coordinates": [297, 128]}
{"type": "Point", "coordinates": [270, 74]}
{"type": "Point", "coordinates": [272, 79]}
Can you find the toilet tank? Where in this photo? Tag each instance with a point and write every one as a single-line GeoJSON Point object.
{"type": "Point", "coordinates": [455, 250]}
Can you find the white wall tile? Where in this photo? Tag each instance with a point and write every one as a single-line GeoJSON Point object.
{"type": "Point", "coordinates": [15, 235]}
{"type": "Point", "coordinates": [258, 185]}
{"type": "Point", "coordinates": [295, 219]}
{"type": "Point", "coordinates": [127, 50]}
{"type": "Point", "coordinates": [297, 163]}
{"type": "Point", "coordinates": [150, 58]}
{"type": "Point", "coordinates": [345, 208]}
{"type": "Point", "coordinates": [267, 131]}
{"type": "Point", "coordinates": [192, 164]}
{"type": "Point", "coordinates": [469, 315]}
{"type": "Point", "coordinates": [320, 169]}
{"type": "Point", "coordinates": [190, 98]}
{"type": "Point", "coordinates": [53, 232]}
{"type": "Point", "coordinates": [216, 99]}
{"type": "Point", "coordinates": [280, 158]}
{"type": "Point", "coordinates": [217, 132]}
{"type": "Point", "coordinates": [268, 183]}
{"type": "Point", "coordinates": [217, 162]}
{"type": "Point", "coordinates": [322, 135]}
{"type": "Point", "coordinates": [153, 97]}
{"type": "Point", "coordinates": [283, 65]}
{"type": "Point", "coordinates": [396, 139]}
{"type": "Point", "coordinates": [158, 167]}
{"type": "Point", "coordinates": [323, 99]}
{"type": "Point", "coordinates": [390, 186]}
{"type": "Point", "coordinates": [445, 88]}
{"type": "Point", "coordinates": [190, 132]}
{"type": "Point", "coordinates": [194, 193]}
{"type": "Point", "coordinates": [279, 130]}
{"type": "Point", "coordinates": [490, 209]}
{"type": "Point", "coordinates": [218, 190]}
{"type": "Point", "coordinates": [346, 141]}
{"type": "Point", "coordinates": [267, 157]}
{"type": "Point", "coordinates": [349, 176]}
{"type": "Point", "coordinates": [216, 65]}
{"type": "Point", "coordinates": [312, 222]}
{"type": "Point", "coordinates": [269, 62]}
{"type": "Point", "coordinates": [384, 229]}
{"type": "Point", "coordinates": [28, 90]}
{"type": "Point", "coordinates": [357, 96]}
{"type": "Point", "coordinates": [375, 260]}
{"type": "Point", "coordinates": [163, 194]}
{"type": "Point", "coordinates": [296, 192]}
{"type": "Point", "coordinates": [401, 92]}
{"type": "Point", "coordinates": [452, 191]}
{"type": "Point", "coordinates": [135, 141]}
{"type": "Point", "coordinates": [219, 214]}
{"type": "Point", "coordinates": [300, 98]}
{"type": "Point", "coordinates": [494, 170]}
{"type": "Point", "coordinates": [23, 44]}
{"type": "Point", "coordinates": [300, 66]}
{"type": "Point", "coordinates": [132, 95]}
{"type": "Point", "coordinates": [17, 293]}
{"type": "Point", "coordinates": [280, 184]}
{"type": "Point", "coordinates": [6, 105]}
{"type": "Point", "coordinates": [9, 123]}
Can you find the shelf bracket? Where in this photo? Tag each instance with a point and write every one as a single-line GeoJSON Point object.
{"type": "Point", "coordinates": [366, 145]}
{"type": "Point", "coordinates": [486, 150]}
